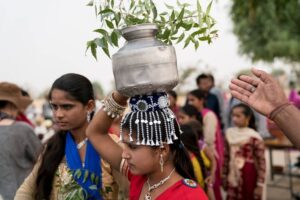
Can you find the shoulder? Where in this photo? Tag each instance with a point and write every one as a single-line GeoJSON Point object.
{"type": "Point", "coordinates": [190, 190]}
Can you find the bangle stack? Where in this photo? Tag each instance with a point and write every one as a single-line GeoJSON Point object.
{"type": "Point", "coordinates": [112, 108]}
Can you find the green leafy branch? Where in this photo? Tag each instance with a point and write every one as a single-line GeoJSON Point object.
{"type": "Point", "coordinates": [180, 23]}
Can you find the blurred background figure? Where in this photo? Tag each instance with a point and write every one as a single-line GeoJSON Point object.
{"type": "Point", "coordinates": [19, 145]}
{"type": "Point", "coordinates": [172, 95]}
{"type": "Point", "coordinates": [206, 83]}
{"type": "Point", "coordinates": [244, 168]}
{"type": "Point", "coordinates": [22, 112]}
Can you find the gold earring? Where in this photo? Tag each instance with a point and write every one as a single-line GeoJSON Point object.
{"type": "Point", "coordinates": [161, 162]}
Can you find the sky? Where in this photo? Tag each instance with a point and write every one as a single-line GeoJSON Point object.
{"type": "Point", "coordinates": [41, 40]}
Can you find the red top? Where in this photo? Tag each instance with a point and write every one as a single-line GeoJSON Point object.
{"type": "Point", "coordinates": [184, 189]}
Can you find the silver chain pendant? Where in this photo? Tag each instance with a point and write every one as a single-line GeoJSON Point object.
{"type": "Point", "coordinates": [148, 196]}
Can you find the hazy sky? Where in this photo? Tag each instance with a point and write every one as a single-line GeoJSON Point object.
{"type": "Point", "coordinates": [41, 40]}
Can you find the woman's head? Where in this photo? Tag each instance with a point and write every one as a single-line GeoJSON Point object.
{"type": "Point", "coordinates": [151, 134]}
{"type": "Point", "coordinates": [72, 100]}
{"type": "Point", "coordinates": [196, 98]}
{"type": "Point", "coordinates": [189, 138]}
{"type": "Point", "coordinates": [188, 113]}
{"type": "Point", "coordinates": [243, 116]}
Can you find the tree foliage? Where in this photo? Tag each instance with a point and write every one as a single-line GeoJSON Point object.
{"type": "Point", "coordinates": [268, 29]}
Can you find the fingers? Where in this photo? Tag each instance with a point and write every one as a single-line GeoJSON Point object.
{"type": "Point", "coordinates": [242, 87]}
{"type": "Point", "coordinates": [262, 75]}
{"type": "Point", "coordinates": [239, 93]}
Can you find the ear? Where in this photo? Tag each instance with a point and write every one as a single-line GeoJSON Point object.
{"type": "Point", "coordinates": [165, 150]}
{"type": "Point", "coordinates": [91, 105]}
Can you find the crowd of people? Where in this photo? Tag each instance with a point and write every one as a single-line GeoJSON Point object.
{"type": "Point", "coordinates": [155, 150]}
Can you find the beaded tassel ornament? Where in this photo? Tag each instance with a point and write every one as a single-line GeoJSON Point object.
{"type": "Point", "coordinates": [147, 110]}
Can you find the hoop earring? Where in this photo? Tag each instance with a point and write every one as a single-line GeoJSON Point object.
{"type": "Point", "coordinates": [88, 117]}
{"type": "Point", "coordinates": [161, 162]}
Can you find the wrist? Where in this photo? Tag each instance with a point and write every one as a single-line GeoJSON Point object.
{"type": "Point", "coordinates": [278, 109]}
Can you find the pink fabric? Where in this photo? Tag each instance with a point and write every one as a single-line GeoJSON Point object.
{"type": "Point", "coordinates": [294, 98]}
{"type": "Point", "coordinates": [219, 146]}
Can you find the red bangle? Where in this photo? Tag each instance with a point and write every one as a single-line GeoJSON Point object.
{"type": "Point", "coordinates": [274, 112]}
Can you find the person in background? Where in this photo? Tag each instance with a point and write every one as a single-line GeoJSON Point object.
{"type": "Point", "coordinates": [22, 116]}
{"type": "Point", "coordinates": [19, 146]}
{"type": "Point", "coordinates": [294, 97]}
{"type": "Point", "coordinates": [204, 83]}
{"type": "Point", "coordinates": [244, 166]}
{"type": "Point", "coordinates": [172, 95]}
{"type": "Point", "coordinates": [69, 165]}
{"type": "Point", "coordinates": [264, 94]}
{"type": "Point", "coordinates": [218, 93]}
{"type": "Point", "coordinates": [212, 134]}
{"type": "Point", "coordinates": [203, 161]}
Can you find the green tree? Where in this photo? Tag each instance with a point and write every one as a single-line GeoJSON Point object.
{"type": "Point", "coordinates": [268, 29]}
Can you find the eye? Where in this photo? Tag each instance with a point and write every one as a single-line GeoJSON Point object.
{"type": "Point", "coordinates": [67, 107]}
{"type": "Point", "coordinates": [132, 146]}
{"type": "Point", "coordinates": [53, 106]}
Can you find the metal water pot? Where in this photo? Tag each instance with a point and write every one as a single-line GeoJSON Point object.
{"type": "Point", "coordinates": [144, 65]}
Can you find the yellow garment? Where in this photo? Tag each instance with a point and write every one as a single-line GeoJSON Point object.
{"type": "Point", "coordinates": [197, 167]}
{"type": "Point", "coordinates": [206, 160]}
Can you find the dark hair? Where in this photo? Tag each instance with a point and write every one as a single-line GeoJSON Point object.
{"type": "Point", "coordinates": [201, 77]}
{"type": "Point", "coordinates": [199, 94]}
{"type": "Point", "coordinates": [181, 160]}
{"type": "Point", "coordinates": [247, 111]}
{"type": "Point", "coordinates": [172, 93]}
{"type": "Point", "coordinates": [190, 141]}
{"type": "Point", "coordinates": [198, 128]}
{"type": "Point", "coordinates": [211, 77]}
{"type": "Point", "coordinates": [79, 88]}
{"type": "Point", "coordinates": [192, 112]}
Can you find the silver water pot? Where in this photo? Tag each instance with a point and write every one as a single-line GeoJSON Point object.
{"type": "Point", "coordinates": [144, 65]}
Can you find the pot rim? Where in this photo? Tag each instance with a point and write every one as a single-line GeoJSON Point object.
{"type": "Point", "coordinates": [147, 26]}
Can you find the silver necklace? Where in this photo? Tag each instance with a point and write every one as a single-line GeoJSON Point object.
{"type": "Point", "coordinates": [156, 185]}
{"type": "Point", "coordinates": [80, 144]}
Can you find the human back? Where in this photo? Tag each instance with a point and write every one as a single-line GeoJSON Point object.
{"type": "Point", "coordinates": [19, 146]}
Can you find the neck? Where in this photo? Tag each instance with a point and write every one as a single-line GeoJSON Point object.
{"type": "Point", "coordinates": [10, 111]}
{"type": "Point", "coordinates": [157, 176]}
{"type": "Point", "coordinates": [79, 134]}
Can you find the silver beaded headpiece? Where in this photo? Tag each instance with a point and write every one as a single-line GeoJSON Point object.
{"type": "Point", "coordinates": [149, 115]}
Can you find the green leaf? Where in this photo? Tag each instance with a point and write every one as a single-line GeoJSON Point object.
{"type": "Point", "coordinates": [172, 16]}
{"type": "Point", "coordinates": [107, 10]}
{"type": "Point", "coordinates": [114, 38]}
{"type": "Point", "coordinates": [202, 30]}
{"type": "Point", "coordinates": [154, 10]}
{"type": "Point", "coordinates": [91, 45]}
{"type": "Point", "coordinates": [101, 31]}
{"type": "Point", "coordinates": [187, 26]}
{"type": "Point", "coordinates": [117, 18]}
{"type": "Point", "coordinates": [204, 38]}
{"type": "Point", "coordinates": [106, 51]}
{"type": "Point", "coordinates": [208, 8]}
{"type": "Point", "coordinates": [132, 4]}
{"type": "Point", "coordinates": [169, 6]}
{"type": "Point", "coordinates": [93, 187]}
{"type": "Point", "coordinates": [181, 14]}
{"type": "Point", "coordinates": [199, 12]}
{"type": "Point", "coordinates": [180, 38]}
{"type": "Point", "coordinates": [109, 24]}
{"type": "Point", "coordinates": [163, 13]}
{"type": "Point", "coordinates": [86, 174]}
{"type": "Point", "coordinates": [187, 41]}
{"type": "Point", "coordinates": [90, 3]}
{"type": "Point", "coordinates": [112, 3]}
{"type": "Point", "coordinates": [166, 34]}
